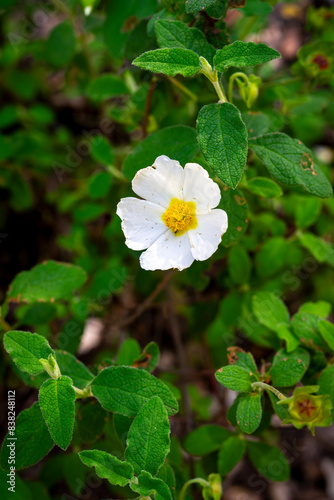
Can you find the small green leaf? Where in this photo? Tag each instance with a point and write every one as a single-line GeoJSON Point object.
{"type": "Point", "coordinates": [320, 249]}
{"type": "Point", "coordinates": [326, 382]}
{"type": "Point", "coordinates": [194, 6]}
{"type": "Point", "coordinates": [291, 163]}
{"type": "Point", "coordinates": [148, 440]}
{"type": "Point", "coordinates": [270, 310]}
{"type": "Point", "coordinates": [205, 439]}
{"type": "Point", "coordinates": [105, 87]}
{"type": "Point", "coordinates": [123, 389]}
{"type": "Point", "coordinates": [320, 308]}
{"type": "Point", "coordinates": [60, 46]}
{"type": "Point", "coordinates": [269, 461]}
{"type": "Point", "coordinates": [91, 420]}
{"type": "Point", "coordinates": [231, 452]}
{"type": "Point", "coordinates": [48, 281]}
{"type": "Point", "coordinates": [236, 378]}
{"type": "Point", "coordinates": [172, 34]}
{"type": "Point", "coordinates": [128, 352]}
{"type": "Point", "coordinates": [239, 265]}
{"type": "Point", "coordinates": [56, 399]}
{"type": "Point", "coordinates": [288, 368]}
{"type": "Point", "coordinates": [257, 123]}
{"type": "Point", "coordinates": [179, 143]}
{"type": "Point", "coordinates": [107, 466]}
{"type": "Point", "coordinates": [149, 358]}
{"type": "Point", "coordinates": [249, 412]}
{"type": "Point", "coordinates": [271, 258]}
{"type": "Point", "coordinates": [264, 187]}
{"type": "Point", "coordinates": [240, 54]}
{"type": "Point", "coordinates": [306, 329]}
{"type": "Point", "coordinates": [245, 360]}
{"type": "Point", "coordinates": [101, 150]}
{"type": "Point", "coordinates": [326, 330]}
{"type": "Point", "coordinates": [33, 440]}
{"type": "Point", "coordinates": [26, 349]}
{"type": "Point", "coordinates": [99, 185]}
{"type": "Point", "coordinates": [148, 486]}
{"type": "Point", "coordinates": [170, 62]}
{"type": "Point", "coordinates": [234, 203]}
{"type": "Point", "coordinates": [71, 367]}
{"type": "Point", "coordinates": [307, 211]}
{"type": "Point", "coordinates": [222, 137]}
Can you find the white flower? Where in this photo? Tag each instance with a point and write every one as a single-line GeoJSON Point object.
{"type": "Point", "coordinates": [174, 221]}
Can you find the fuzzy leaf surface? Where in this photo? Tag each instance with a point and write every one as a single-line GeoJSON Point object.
{"type": "Point", "coordinates": [107, 466]}
{"type": "Point", "coordinates": [170, 62]}
{"type": "Point", "coordinates": [26, 349]}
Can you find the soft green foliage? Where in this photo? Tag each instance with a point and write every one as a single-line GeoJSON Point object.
{"type": "Point", "coordinates": [26, 349]}
{"type": "Point", "coordinates": [33, 440]}
{"type": "Point", "coordinates": [148, 438]}
{"type": "Point", "coordinates": [291, 163]}
{"type": "Point", "coordinates": [222, 138]}
{"type": "Point", "coordinates": [56, 400]}
{"type": "Point", "coordinates": [240, 54]}
{"type": "Point", "coordinates": [48, 281]}
{"type": "Point", "coordinates": [170, 61]}
{"type": "Point", "coordinates": [166, 385]}
{"type": "Point", "coordinates": [107, 466]}
{"type": "Point", "coordinates": [124, 390]}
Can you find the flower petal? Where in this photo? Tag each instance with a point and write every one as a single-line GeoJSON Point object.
{"type": "Point", "coordinates": [160, 183]}
{"type": "Point", "coordinates": [141, 222]}
{"type": "Point", "coordinates": [199, 188]}
{"type": "Point", "coordinates": [204, 240]}
{"type": "Point", "coordinates": [168, 252]}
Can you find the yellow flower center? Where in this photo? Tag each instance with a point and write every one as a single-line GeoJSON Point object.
{"type": "Point", "coordinates": [180, 216]}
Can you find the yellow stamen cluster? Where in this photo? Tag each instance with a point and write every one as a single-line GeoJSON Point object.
{"type": "Point", "coordinates": [180, 216]}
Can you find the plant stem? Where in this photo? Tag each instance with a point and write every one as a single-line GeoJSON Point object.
{"type": "Point", "coordinates": [267, 387]}
{"type": "Point", "coordinates": [83, 393]}
{"type": "Point", "coordinates": [231, 81]}
{"type": "Point", "coordinates": [219, 90]}
{"type": "Point", "coordinates": [197, 480]}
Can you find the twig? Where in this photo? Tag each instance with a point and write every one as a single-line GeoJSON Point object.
{"type": "Point", "coordinates": [176, 334]}
{"type": "Point", "coordinates": [146, 304]}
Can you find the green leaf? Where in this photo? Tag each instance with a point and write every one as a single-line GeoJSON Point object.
{"type": "Point", "coordinates": [222, 138]}
{"type": "Point", "coordinates": [320, 308]}
{"type": "Point", "coordinates": [170, 62]}
{"type": "Point", "coordinates": [326, 382]}
{"type": "Point", "coordinates": [264, 187]}
{"type": "Point", "coordinates": [26, 349]}
{"type": "Point", "coordinates": [105, 87]}
{"type": "Point", "coordinates": [270, 310]}
{"type": "Point", "coordinates": [172, 34]}
{"type": "Point", "coordinates": [320, 249]}
{"type": "Point", "coordinates": [179, 143]}
{"type": "Point", "coordinates": [307, 212]}
{"type": "Point", "coordinates": [107, 466]}
{"type": "Point", "coordinates": [205, 439]}
{"type": "Point", "coordinates": [194, 6]}
{"type": "Point", "coordinates": [326, 330]}
{"type": "Point", "coordinates": [149, 358]}
{"type": "Point", "coordinates": [245, 360]}
{"type": "Point", "coordinates": [56, 399]}
{"type": "Point", "coordinates": [60, 46]}
{"type": "Point", "coordinates": [288, 368]}
{"type": "Point", "coordinates": [257, 123]}
{"type": "Point", "coordinates": [234, 203]}
{"type": "Point", "coordinates": [243, 54]}
{"type": "Point", "coordinates": [269, 461]}
{"type": "Point", "coordinates": [305, 327]}
{"type": "Point", "coordinates": [249, 412]}
{"type": "Point", "coordinates": [148, 439]}
{"type": "Point", "coordinates": [99, 185]}
{"type": "Point", "coordinates": [71, 367]}
{"type": "Point", "coordinates": [235, 378]}
{"type": "Point", "coordinates": [30, 429]}
{"type": "Point", "coordinates": [48, 281]}
{"type": "Point", "coordinates": [101, 150]}
{"type": "Point", "coordinates": [291, 163]}
{"type": "Point", "coordinates": [271, 258]}
{"type": "Point", "coordinates": [231, 452]}
{"type": "Point", "coordinates": [123, 389]}
{"type": "Point", "coordinates": [239, 265]}
{"type": "Point", "coordinates": [128, 352]}
{"type": "Point", "coordinates": [91, 420]}
{"type": "Point", "coordinates": [148, 486]}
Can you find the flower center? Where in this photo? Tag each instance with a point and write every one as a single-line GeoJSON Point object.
{"type": "Point", "coordinates": [321, 61]}
{"type": "Point", "coordinates": [180, 216]}
{"type": "Point", "coordinates": [306, 408]}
